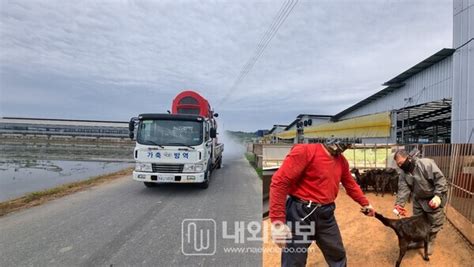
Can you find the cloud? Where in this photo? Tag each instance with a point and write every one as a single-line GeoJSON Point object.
{"type": "Point", "coordinates": [112, 60]}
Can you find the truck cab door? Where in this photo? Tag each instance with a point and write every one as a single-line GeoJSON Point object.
{"type": "Point", "coordinates": [207, 141]}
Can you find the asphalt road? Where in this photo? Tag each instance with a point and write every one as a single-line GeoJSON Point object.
{"type": "Point", "coordinates": [123, 223]}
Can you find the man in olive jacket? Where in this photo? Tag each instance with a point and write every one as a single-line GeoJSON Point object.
{"type": "Point", "coordinates": [422, 178]}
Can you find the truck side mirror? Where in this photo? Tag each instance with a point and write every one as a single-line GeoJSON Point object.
{"type": "Point", "coordinates": [213, 133]}
{"type": "Point", "coordinates": [131, 127]}
{"type": "Point", "coordinates": [216, 115]}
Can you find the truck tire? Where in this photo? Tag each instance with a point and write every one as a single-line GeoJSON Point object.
{"type": "Point", "coordinates": [149, 184]}
{"type": "Point", "coordinates": [207, 177]}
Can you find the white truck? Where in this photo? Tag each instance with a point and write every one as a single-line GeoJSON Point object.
{"type": "Point", "coordinates": [175, 148]}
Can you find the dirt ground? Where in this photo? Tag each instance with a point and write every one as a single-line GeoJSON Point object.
{"type": "Point", "coordinates": [369, 243]}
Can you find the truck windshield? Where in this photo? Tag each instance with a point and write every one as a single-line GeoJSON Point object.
{"type": "Point", "coordinates": [170, 132]}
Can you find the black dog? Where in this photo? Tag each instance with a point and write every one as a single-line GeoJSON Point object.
{"type": "Point", "coordinates": [411, 229]}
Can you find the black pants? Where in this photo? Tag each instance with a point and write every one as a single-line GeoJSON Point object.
{"type": "Point", "coordinates": [323, 230]}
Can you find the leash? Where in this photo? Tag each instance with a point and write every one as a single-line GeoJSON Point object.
{"type": "Point", "coordinates": [309, 206]}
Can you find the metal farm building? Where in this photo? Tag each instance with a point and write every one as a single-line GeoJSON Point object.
{"type": "Point", "coordinates": [417, 103]}
{"type": "Point", "coordinates": [62, 129]}
{"type": "Point", "coordinates": [431, 102]}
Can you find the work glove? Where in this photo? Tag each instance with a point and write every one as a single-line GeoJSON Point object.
{"type": "Point", "coordinates": [399, 211]}
{"type": "Point", "coordinates": [368, 210]}
{"type": "Point", "coordinates": [280, 234]}
{"type": "Point", "coordinates": [435, 202]}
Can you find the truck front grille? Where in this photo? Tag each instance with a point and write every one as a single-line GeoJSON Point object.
{"type": "Point", "coordinates": [167, 168]}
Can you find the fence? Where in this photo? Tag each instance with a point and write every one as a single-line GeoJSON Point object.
{"type": "Point", "coordinates": [270, 155]}
{"type": "Point", "coordinates": [456, 161]}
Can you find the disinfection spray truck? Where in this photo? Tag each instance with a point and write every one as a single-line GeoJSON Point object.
{"type": "Point", "coordinates": [180, 146]}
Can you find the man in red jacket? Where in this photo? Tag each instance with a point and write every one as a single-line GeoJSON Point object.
{"type": "Point", "coordinates": [310, 176]}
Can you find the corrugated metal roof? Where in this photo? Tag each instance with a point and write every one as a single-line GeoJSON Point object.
{"type": "Point", "coordinates": [430, 61]}
{"type": "Point", "coordinates": [313, 115]}
{"type": "Point", "coordinates": [292, 123]}
{"type": "Point", "coordinates": [275, 126]}
{"type": "Point", "coordinates": [398, 82]}
{"type": "Point", "coordinates": [366, 101]}
{"type": "Point", "coordinates": [430, 121]}
{"type": "Point", "coordinates": [427, 112]}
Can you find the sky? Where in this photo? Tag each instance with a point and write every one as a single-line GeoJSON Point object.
{"type": "Point", "coordinates": [112, 60]}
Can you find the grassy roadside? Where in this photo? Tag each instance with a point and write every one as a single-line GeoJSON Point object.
{"type": "Point", "coordinates": [40, 197]}
{"type": "Point", "coordinates": [251, 159]}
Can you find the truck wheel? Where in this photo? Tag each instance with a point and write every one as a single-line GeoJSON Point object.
{"type": "Point", "coordinates": [207, 177]}
{"type": "Point", "coordinates": [148, 184]}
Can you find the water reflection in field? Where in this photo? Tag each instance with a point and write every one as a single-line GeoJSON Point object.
{"type": "Point", "coordinates": [27, 166]}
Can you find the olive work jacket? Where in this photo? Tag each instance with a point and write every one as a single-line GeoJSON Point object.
{"type": "Point", "coordinates": [425, 182]}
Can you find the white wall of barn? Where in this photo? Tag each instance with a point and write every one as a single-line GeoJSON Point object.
{"type": "Point", "coordinates": [431, 84]}
{"type": "Point", "coordinates": [462, 127]}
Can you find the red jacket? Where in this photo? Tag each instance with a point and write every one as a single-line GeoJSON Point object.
{"type": "Point", "coordinates": [310, 173]}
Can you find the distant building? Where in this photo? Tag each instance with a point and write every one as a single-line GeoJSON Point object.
{"type": "Point", "coordinates": [277, 128]}
{"type": "Point", "coordinates": [10, 126]}
{"type": "Point", "coordinates": [261, 133]}
{"type": "Point", "coordinates": [303, 121]}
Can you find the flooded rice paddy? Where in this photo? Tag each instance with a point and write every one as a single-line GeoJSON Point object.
{"type": "Point", "coordinates": [32, 165]}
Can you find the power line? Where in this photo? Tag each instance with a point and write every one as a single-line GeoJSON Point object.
{"type": "Point", "coordinates": [272, 33]}
{"type": "Point", "coordinates": [265, 45]}
{"type": "Point", "coordinates": [265, 39]}
{"type": "Point", "coordinates": [278, 20]}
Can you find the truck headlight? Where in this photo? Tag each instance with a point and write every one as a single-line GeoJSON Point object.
{"type": "Point", "coordinates": [199, 167]}
{"type": "Point", "coordinates": [143, 167]}
{"type": "Point", "coordinates": [193, 168]}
